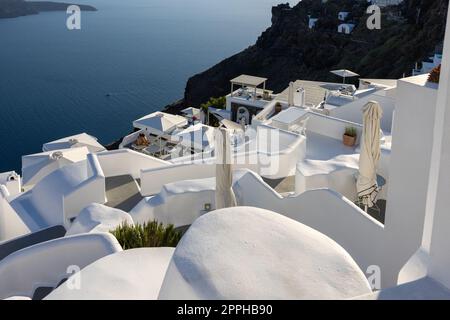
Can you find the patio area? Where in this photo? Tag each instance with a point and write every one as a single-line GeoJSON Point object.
{"type": "Point", "coordinates": [122, 192]}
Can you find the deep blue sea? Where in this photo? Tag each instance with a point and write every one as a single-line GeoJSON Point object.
{"type": "Point", "coordinates": [53, 81]}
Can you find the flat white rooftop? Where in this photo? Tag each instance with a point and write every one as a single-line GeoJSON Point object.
{"type": "Point", "coordinates": [290, 115]}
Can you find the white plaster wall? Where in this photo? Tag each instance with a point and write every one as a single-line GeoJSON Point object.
{"type": "Point", "coordinates": [353, 111]}
{"type": "Point", "coordinates": [272, 165]}
{"type": "Point", "coordinates": [436, 235]}
{"type": "Point", "coordinates": [331, 127]}
{"type": "Point", "coordinates": [65, 192]}
{"type": "Point", "coordinates": [409, 171]}
{"type": "Point", "coordinates": [14, 186]}
{"type": "Point", "coordinates": [340, 176]}
{"type": "Point", "coordinates": [179, 204]}
{"type": "Point", "coordinates": [46, 264]}
{"type": "Point", "coordinates": [127, 162]}
{"type": "Point", "coordinates": [11, 225]}
{"type": "Point", "coordinates": [323, 210]}
{"type": "Point", "coordinates": [152, 180]}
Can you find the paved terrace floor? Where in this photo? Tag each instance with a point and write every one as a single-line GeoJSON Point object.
{"type": "Point", "coordinates": [122, 192]}
{"type": "Point", "coordinates": [320, 147]}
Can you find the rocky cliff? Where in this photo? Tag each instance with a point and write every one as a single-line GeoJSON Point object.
{"type": "Point", "coordinates": [17, 8]}
{"type": "Point", "coordinates": [289, 50]}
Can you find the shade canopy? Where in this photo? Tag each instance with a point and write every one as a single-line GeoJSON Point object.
{"type": "Point", "coordinates": [344, 73]}
{"type": "Point", "coordinates": [366, 185]}
{"type": "Point", "coordinates": [159, 123]}
{"type": "Point", "coordinates": [225, 197]}
{"type": "Point", "coordinates": [198, 137]}
{"type": "Point", "coordinates": [246, 80]}
{"type": "Point", "coordinates": [75, 141]}
{"type": "Point", "coordinates": [191, 112]}
{"type": "Point", "coordinates": [37, 166]}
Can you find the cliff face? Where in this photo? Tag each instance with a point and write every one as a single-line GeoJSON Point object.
{"type": "Point", "coordinates": [289, 50]}
{"type": "Point", "coordinates": [17, 8]}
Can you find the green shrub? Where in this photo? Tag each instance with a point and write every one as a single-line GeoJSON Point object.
{"type": "Point", "coordinates": [151, 234]}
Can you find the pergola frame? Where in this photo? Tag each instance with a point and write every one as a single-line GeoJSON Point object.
{"type": "Point", "coordinates": [248, 81]}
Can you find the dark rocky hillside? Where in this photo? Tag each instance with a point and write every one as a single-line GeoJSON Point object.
{"type": "Point", "coordinates": [17, 8]}
{"type": "Point", "coordinates": [289, 50]}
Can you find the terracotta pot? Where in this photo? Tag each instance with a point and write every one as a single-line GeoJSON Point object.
{"type": "Point", "coordinates": [349, 141]}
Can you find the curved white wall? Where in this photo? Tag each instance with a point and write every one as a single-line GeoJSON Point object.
{"type": "Point", "coordinates": [353, 111]}
{"type": "Point", "coordinates": [11, 225]}
{"type": "Point", "coordinates": [46, 264]}
{"type": "Point", "coordinates": [127, 162]}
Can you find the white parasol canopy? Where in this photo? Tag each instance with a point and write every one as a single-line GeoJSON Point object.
{"type": "Point", "coordinates": [37, 166]}
{"type": "Point", "coordinates": [198, 137]}
{"type": "Point", "coordinates": [370, 154]}
{"type": "Point", "coordinates": [344, 73]}
{"type": "Point", "coordinates": [225, 197]}
{"type": "Point", "coordinates": [76, 141]}
{"type": "Point", "coordinates": [159, 123]}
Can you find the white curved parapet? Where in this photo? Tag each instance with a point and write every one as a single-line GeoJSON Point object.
{"type": "Point", "coordinates": [47, 263]}
{"type": "Point", "coordinates": [127, 162]}
{"type": "Point", "coordinates": [135, 274]}
{"type": "Point", "coordinates": [99, 218]}
{"type": "Point", "coordinates": [178, 203]}
{"type": "Point", "coordinates": [250, 253]}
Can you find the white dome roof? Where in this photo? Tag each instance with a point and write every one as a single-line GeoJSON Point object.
{"type": "Point", "coordinates": [250, 253]}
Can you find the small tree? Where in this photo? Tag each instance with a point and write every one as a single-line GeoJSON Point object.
{"type": "Point", "coordinates": [219, 103]}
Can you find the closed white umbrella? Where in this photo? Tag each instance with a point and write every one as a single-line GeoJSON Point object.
{"type": "Point", "coordinates": [370, 154]}
{"type": "Point", "coordinates": [225, 197]}
{"type": "Point", "coordinates": [291, 94]}
{"type": "Point", "coordinates": [344, 73]}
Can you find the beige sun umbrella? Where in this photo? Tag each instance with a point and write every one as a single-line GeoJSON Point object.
{"type": "Point", "coordinates": [224, 174]}
{"type": "Point", "coordinates": [344, 73]}
{"type": "Point", "coordinates": [370, 154]}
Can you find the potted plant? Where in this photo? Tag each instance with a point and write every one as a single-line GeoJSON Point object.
{"type": "Point", "coordinates": [435, 74]}
{"type": "Point", "coordinates": [350, 135]}
{"type": "Point", "coordinates": [278, 108]}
